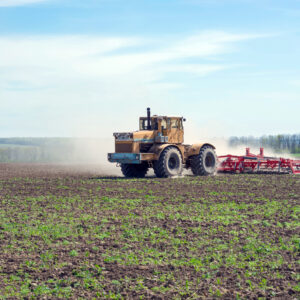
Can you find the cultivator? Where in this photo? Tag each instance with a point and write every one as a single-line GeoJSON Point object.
{"type": "Point", "coordinates": [257, 163]}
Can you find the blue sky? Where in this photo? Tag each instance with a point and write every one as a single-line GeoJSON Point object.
{"type": "Point", "coordinates": [88, 68]}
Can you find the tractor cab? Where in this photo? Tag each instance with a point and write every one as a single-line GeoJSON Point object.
{"type": "Point", "coordinates": [166, 129]}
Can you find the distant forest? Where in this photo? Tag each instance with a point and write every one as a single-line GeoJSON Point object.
{"type": "Point", "coordinates": [279, 143]}
{"type": "Point", "coordinates": [36, 149]}
{"type": "Point", "coordinates": [70, 150]}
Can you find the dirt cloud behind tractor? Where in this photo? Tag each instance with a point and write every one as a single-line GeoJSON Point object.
{"type": "Point", "coordinates": [87, 153]}
{"type": "Point", "coordinates": [92, 153]}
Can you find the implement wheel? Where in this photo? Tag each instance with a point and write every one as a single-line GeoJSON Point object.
{"type": "Point", "coordinates": [134, 170]}
{"type": "Point", "coordinates": [169, 163]}
{"type": "Point", "coordinates": [205, 163]}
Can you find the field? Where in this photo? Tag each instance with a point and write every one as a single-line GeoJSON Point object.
{"type": "Point", "coordinates": [67, 232]}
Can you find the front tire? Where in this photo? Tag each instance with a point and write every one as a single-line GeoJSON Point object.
{"type": "Point", "coordinates": [169, 163]}
{"type": "Point", "coordinates": [134, 170]}
{"type": "Point", "coordinates": [205, 163]}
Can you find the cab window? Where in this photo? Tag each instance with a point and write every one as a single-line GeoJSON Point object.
{"type": "Point", "coordinates": [143, 124]}
{"type": "Point", "coordinates": [169, 123]}
{"type": "Point", "coordinates": [180, 125]}
{"type": "Point", "coordinates": [163, 124]}
{"type": "Point", "coordinates": [174, 123]}
{"type": "Point", "coordinates": [154, 124]}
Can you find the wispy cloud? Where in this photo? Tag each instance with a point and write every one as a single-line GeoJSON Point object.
{"type": "Point", "coordinates": [48, 75]}
{"type": "Point", "coordinates": [6, 3]}
{"type": "Point", "coordinates": [39, 62]}
{"type": "Point", "coordinates": [90, 56]}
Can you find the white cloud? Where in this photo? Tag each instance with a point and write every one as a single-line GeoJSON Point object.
{"type": "Point", "coordinates": [61, 79]}
{"type": "Point", "coordinates": [48, 61]}
{"type": "Point", "coordinates": [7, 3]}
{"type": "Point", "coordinates": [200, 70]}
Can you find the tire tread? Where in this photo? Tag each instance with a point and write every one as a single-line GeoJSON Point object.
{"type": "Point", "coordinates": [159, 165]}
{"type": "Point", "coordinates": [131, 170]}
{"type": "Point", "coordinates": [197, 163]}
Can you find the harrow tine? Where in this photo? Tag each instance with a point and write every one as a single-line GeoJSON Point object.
{"type": "Point", "coordinates": [251, 163]}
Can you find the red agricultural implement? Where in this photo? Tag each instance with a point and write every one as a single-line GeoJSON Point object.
{"type": "Point", "coordinates": [257, 163]}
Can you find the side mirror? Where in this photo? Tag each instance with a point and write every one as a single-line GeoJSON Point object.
{"type": "Point", "coordinates": [184, 119]}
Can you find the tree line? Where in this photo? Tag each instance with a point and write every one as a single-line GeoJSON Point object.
{"type": "Point", "coordinates": [37, 149]}
{"type": "Point", "coordinates": [279, 143]}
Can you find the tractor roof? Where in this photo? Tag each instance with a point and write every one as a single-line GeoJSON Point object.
{"type": "Point", "coordinates": [163, 117]}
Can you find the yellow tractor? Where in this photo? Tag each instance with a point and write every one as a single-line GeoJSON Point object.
{"type": "Point", "coordinates": [158, 144]}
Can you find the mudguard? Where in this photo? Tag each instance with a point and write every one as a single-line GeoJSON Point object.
{"type": "Point", "coordinates": [158, 149]}
{"type": "Point", "coordinates": [194, 149]}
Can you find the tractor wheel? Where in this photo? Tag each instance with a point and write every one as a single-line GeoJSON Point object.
{"type": "Point", "coordinates": [169, 163]}
{"type": "Point", "coordinates": [205, 163]}
{"type": "Point", "coordinates": [134, 170]}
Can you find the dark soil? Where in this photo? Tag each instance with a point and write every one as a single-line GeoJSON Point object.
{"type": "Point", "coordinates": [68, 232]}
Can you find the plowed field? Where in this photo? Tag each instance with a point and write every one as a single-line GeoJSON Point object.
{"type": "Point", "coordinates": [66, 232]}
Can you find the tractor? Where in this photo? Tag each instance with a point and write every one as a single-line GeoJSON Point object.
{"type": "Point", "coordinates": [158, 144]}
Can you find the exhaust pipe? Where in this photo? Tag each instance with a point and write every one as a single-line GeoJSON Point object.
{"type": "Point", "coordinates": [148, 119]}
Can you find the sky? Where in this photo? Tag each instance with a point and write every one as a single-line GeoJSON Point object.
{"type": "Point", "coordinates": [90, 68]}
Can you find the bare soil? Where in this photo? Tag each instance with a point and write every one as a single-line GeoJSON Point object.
{"type": "Point", "coordinates": [69, 232]}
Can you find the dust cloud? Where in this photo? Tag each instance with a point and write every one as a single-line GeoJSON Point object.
{"type": "Point", "coordinates": [210, 134]}
{"type": "Point", "coordinates": [92, 155]}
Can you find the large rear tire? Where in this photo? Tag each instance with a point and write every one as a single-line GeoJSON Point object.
{"type": "Point", "coordinates": [134, 170]}
{"type": "Point", "coordinates": [169, 163]}
{"type": "Point", "coordinates": [205, 163]}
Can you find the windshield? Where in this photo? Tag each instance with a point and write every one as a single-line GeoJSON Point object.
{"type": "Point", "coordinates": [176, 123]}
{"type": "Point", "coordinates": [143, 124]}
